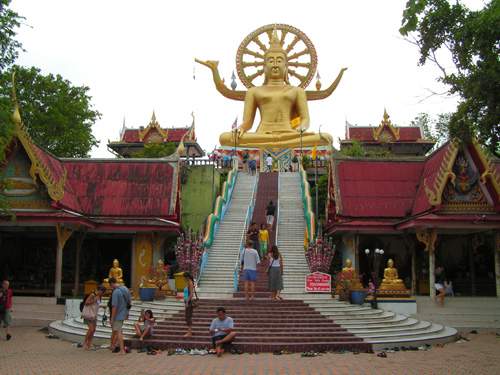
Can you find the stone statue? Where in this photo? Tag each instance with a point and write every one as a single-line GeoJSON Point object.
{"type": "Point", "coordinates": [114, 272]}
{"type": "Point", "coordinates": [283, 108]}
{"type": "Point", "coordinates": [391, 283]}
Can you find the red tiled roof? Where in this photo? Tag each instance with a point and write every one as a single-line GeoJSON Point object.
{"type": "Point", "coordinates": [173, 135]}
{"type": "Point", "coordinates": [98, 188]}
{"type": "Point", "coordinates": [365, 133]}
{"type": "Point", "coordinates": [377, 188]}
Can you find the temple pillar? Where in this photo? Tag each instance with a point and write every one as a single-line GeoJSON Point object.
{"type": "Point", "coordinates": [79, 243]}
{"type": "Point", "coordinates": [349, 250]}
{"type": "Point", "coordinates": [63, 235]}
{"type": "Point", "coordinates": [497, 262]}
{"type": "Point", "coordinates": [158, 241]}
{"type": "Point", "coordinates": [142, 258]}
{"type": "Point", "coordinates": [428, 237]}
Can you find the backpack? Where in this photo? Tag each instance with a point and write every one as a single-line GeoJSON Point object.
{"type": "Point", "coordinates": [82, 304]}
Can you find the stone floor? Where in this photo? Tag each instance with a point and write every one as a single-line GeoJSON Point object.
{"type": "Point", "coordinates": [30, 352]}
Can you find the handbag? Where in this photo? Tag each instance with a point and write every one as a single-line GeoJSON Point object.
{"type": "Point", "coordinates": [269, 267]}
{"type": "Point", "coordinates": [195, 302]}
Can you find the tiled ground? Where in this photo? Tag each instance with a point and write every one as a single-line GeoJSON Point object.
{"type": "Point", "coordinates": [29, 352]}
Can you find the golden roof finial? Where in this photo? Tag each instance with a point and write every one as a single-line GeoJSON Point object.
{"type": "Point", "coordinates": [16, 115]}
{"type": "Point", "coordinates": [274, 42]}
{"type": "Point", "coordinates": [153, 118]}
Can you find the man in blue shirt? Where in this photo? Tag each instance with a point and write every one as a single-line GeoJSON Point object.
{"type": "Point", "coordinates": [121, 301]}
{"type": "Point", "coordinates": [221, 330]}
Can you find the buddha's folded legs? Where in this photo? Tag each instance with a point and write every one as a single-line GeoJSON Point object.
{"type": "Point", "coordinates": [272, 140]}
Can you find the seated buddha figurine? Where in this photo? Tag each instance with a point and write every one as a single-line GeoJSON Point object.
{"type": "Point", "coordinates": [159, 277]}
{"type": "Point", "coordinates": [348, 275]}
{"type": "Point", "coordinates": [391, 280]}
{"type": "Point", "coordinates": [114, 272]}
{"type": "Point", "coordinates": [278, 103]}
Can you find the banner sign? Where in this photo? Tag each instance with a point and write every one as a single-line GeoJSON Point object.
{"type": "Point", "coordinates": [318, 282]}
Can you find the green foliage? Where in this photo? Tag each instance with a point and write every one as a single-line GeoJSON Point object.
{"type": "Point", "coordinates": [435, 129]}
{"type": "Point", "coordinates": [156, 150]}
{"type": "Point", "coordinates": [355, 150]}
{"type": "Point", "coordinates": [322, 195]}
{"type": "Point", "coordinates": [471, 39]}
{"type": "Point", "coordinates": [9, 47]}
{"type": "Point", "coordinates": [59, 116]}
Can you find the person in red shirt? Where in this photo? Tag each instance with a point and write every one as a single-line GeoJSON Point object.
{"type": "Point", "coordinates": [5, 307]}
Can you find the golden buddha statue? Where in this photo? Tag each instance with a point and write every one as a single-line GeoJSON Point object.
{"type": "Point", "coordinates": [348, 276]}
{"type": "Point", "coordinates": [114, 272]}
{"type": "Point", "coordinates": [159, 277]}
{"type": "Point", "coordinates": [283, 108]}
{"type": "Point", "coordinates": [391, 283]}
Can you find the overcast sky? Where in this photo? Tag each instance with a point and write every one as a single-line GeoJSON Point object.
{"type": "Point", "coordinates": [137, 56]}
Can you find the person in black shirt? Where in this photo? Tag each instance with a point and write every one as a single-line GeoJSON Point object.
{"type": "Point", "coordinates": [270, 210]}
{"type": "Point", "coordinates": [440, 278]}
{"type": "Point", "coordinates": [253, 235]}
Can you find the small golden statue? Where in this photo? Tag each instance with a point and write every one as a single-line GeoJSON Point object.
{"type": "Point", "coordinates": [157, 278]}
{"type": "Point", "coordinates": [283, 107]}
{"type": "Point", "coordinates": [348, 279]}
{"type": "Point", "coordinates": [114, 272]}
{"type": "Point", "coordinates": [391, 283]}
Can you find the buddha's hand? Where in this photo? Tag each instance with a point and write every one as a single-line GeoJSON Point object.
{"type": "Point", "coordinates": [241, 132]}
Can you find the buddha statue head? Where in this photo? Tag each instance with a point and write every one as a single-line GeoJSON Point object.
{"type": "Point", "coordinates": [348, 263]}
{"type": "Point", "coordinates": [116, 264]}
{"type": "Point", "coordinates": [390, 263]}
{"type": "Point", "coordinates": [275, 61]}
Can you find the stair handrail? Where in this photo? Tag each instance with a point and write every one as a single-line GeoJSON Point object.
{"type": "Point", "coordinates": [277, 212]}
{"type": "Point", "coordinates": [307, 206]}
{"type": "Point", "coordinates": [242, 240]}
{"type": "Point", "coordinates": [221, 204]}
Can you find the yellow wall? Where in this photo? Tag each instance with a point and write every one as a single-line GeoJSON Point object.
{"type": "Point", "coordinates": [142, 259]}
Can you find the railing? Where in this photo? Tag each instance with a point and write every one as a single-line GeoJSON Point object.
{"type": "Point", "coordinates": [277, 212]}
{"type": "Point", "coordinates": [242, 240]}
{"type": "Point", "coordinates": [218, 163]}
{"type": "Point", "coordinates": [307, 205]}
{"type": "Point", "coordinates": [221, 204]}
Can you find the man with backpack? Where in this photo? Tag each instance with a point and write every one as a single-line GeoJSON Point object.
{"type": "Point", "coordinates": [5, 307]}
{"type": "Point", "coordinates": [120, 306]}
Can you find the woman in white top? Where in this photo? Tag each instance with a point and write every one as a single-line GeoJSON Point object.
{"type": "Point", "coordinates": [275, 272]}
{"type": "Point", "coordinates": [89, 314]}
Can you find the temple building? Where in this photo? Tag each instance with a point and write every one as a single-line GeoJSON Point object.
{"type": "Point", "coordinates": [69, 218]}
{"type": "Point", "coordinates": [133, 140]}
{"type": "Point", "coordinates": [424, 211]}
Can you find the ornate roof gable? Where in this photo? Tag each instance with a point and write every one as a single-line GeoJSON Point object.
{"type": "Point", "coordinates": [386, 124]}
{"type": "Point", "coordinates": [50, 170]}
{"type": "Point", "coordinates": [153, 126]}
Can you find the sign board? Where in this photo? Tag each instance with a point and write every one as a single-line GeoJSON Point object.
{"type": "Point", "coordinates": [318, 282]}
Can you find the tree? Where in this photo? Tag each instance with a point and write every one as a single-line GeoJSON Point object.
{"type": "Point", "coordinates": [434, 129]}
{"type": "Point", "coordinates": [58, 115]}
{"type": "Point", "coordinates": [156, 150]}
{"type": "Point", "coordinates": [9, 47]}
{"type": "Point", "coordinates": [322, 195]}
{"type": "Point", "coordinates": [470, 38]}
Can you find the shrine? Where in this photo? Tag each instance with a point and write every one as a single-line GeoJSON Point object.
{"type": "Point", "coordinates": [424, 211]}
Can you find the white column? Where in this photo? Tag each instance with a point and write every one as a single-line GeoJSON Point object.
{"type": "Point", "coordinates": [58, 280]}
{"type": "Point", "coordinates": [432, 278]}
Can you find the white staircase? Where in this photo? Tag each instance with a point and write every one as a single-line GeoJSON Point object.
{"type": "Point", "coordinates": [217, 278]}
{"type": "Point", "coordinates": [383, 329]}
{"type": "Point", "coordinates": [291, 227]}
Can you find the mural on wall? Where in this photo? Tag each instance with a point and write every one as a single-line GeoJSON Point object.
{"type": "Point", "coordinates": [21, 190]}
{"type": "Point", "coordinates": [464, 189]}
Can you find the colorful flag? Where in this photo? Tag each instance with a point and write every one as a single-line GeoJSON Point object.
{"type": "Point", "coordinates": [235, 123]}
{"type": "Point", "coordinates": [314, 153]}
{"type": "Point", "coordinates": [295, 122]}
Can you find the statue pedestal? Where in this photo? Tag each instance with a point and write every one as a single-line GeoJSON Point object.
{"type": "Point", "coordinates": [395, 293]}
{"type": "Point", "coordinates": [282, 159]}
{"type": "Point", "coordinates": [403, 305]}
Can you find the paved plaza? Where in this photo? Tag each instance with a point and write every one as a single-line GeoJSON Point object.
{"type": "Point", "coordinates": [30, 352]}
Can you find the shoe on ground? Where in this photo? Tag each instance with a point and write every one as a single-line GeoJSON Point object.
{"type": "Point", "coordinates": [8, 337]}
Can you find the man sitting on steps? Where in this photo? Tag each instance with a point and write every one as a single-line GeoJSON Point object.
{"type": "Point", "coordinates": [221, 330]}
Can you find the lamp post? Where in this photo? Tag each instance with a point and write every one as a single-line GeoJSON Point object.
{"type": "Point", "coordinates": [374, 257]}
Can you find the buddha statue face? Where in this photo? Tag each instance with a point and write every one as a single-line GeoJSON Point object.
{"type": "Point", "coordinates": [348, 263]}
{"type": "Point", "coordinates": [116, 264]}
{"type": "Point", "coordinates": [390, 263]}
{"type": "Point", "coordinates": [275, 65]}
{"type": "Point", "coordinates": [160, 263]}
